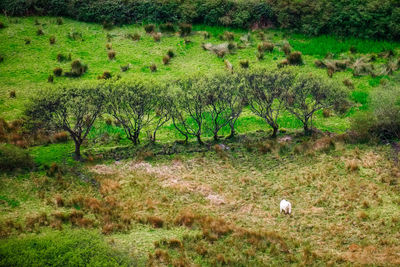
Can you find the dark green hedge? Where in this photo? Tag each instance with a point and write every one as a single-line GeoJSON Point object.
{"type": "Point", "coordinates": [362, 18]}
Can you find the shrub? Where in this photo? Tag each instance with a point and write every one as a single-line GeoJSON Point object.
{"type": "Point", "coordinates": [353, 49]}
{"type": "Point", "coordinates": [244, 63]}
{"type": "Point", "coordinates": [59, 21]}
{"type": "Point", "coordinates": [150, 28]}
{"type": "Point", "coordinates": [153, 67]}
{"type": "Point", "coordinates": [185, 29]}
{"type": "Point", "coordinates": [166, 59]}
{"type": "Point", "coordinates": [13, 157]}
{"type": "Point", "coordinates": [125, 68]}
{"type": "Point", "coordinates": [348, 83]}
{"type": "Point", "coordinates": [108, 25]}
{"type": "Point", "coordinates": [77, 69]}
{"type": "Point", "coordinates": [75, 36]}
{"type": "Point", "coordinates": [155, 221]}
{"type": "Point", "coordinates": [283, 63]}
{"type": "Point", "coordinates": [39, 32]}
{"type": "Point", "coordinates": [167, 27]}
{"type": "Point", "coordinates": [111, 55]}
{"type": "Point", "coordinates": [52, 40]}
{"type": "Point", "coordinates": [106, 75]}
{"type": "Point", "coordinates": [109, 46]}
{"type": "Point", "coordinates": [265, 46]}
{"type": "Point", "coordinates": [156, 36]}
{"type": "Point", "coordinates": [58, 71]}
{"type": "Point", "coordinates": [27, 41]}
{"type": "Point", "coordinates": [50, 79]}
{"type": "Point", "coordinates": [295, 58]}
{"type": "Point", "coordinates": [260, 56]}
{"type": "Point", "coordinates": [60, 137]}
{"type": "Point", "coordinates": [13, 94]}
{"type": "Point", "coordinates": [170, 53]}
{"type": "Point", "coordinates": [286, 48]}
{"type": "Point", "coordinates": [206, 35]}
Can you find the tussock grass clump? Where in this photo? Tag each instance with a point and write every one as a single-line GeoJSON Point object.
{"type": "Point", "coordinates": [149, 28]}
{"type": "Point", "coordinates": [283, 63]}
{"type": "Point", "coordinates": [62, 58]}
{"type": "Point", "coordinates": [348, 83]}
{"type": "Point", "coordinates": [109, 46]}
{"type": "Point", "coordinates": [77, 69]}
{"type": "Point", "coordinates": [206, 35]}
{"type": "Point", "coordinates": [352, 165]}
{"type": "Point", "coordinates": [362, 68]}
{"type": "Point", "coordinates": [1, 58]}
{"type": "Point", "coordinates": [105, 76]}
{"type": "Point", "coordinates": [228, 36]}
{"type": "Point", "coordinates": [261, 35]}
{"type": "Point", "coordinates": [39, 32]}
{"type": "Point", "coordinates": [37, 22]}
{"type": "Point", "coordinates": [295, 58]}
{"type": "Point", "coordinates": [13, 94]}
{"type": "Point", "coordinates": [185, 29]}
{"type": "Point", "coordinates": [125, 67]}
{"type": "Point", "coordinates": [260, 56]}
{"type": "Point", "coordinates": [153, 67]}
{"type": "Point", "coordinates": [156, 36]}
{"type": "Point", "coordinates": [111, 55]}
{"type": "Point", "coordinates": [155, 221]}
{"type": "Point", "coordinates": [60, 137]}
{"type": "Point", "coordinates": [108, 25]}
{"type": "Point", "coordinates": [27, 41]}
{"type": "Point", "coordinates": [287, 49]}
{"type": "Point", "coordinates": [265, 46]}
{"type": "Point", "coordinates": [353, 49]}
{"type": "Point", "coordinates": [166, 59]}
{"type": "Point", "coordinates": [52, 40]}
{"type": "Point", "coordinates": [57, 71]}
{"type": "Point", "coordinates": [136, 37]}
{"type": "Point", "coordinates": [50, 79]}
{"type": "Point", "coordinates": [244, 63]}
{"type": "Point", "coordinates": [167, 27]}
{"type": "Point", "coordinates": [2, 26]}
{"type": "Point", "coordinates": [75, 36]}
{"type": "Point", "coordinates": [59, 21]}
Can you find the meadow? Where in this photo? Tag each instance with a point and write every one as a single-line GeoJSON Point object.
{"type": "Point", "coordinates": [179, 204]}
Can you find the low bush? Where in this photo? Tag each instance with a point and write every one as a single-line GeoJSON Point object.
{"type": "Point", "coordinates": [265, 46]}
{"type": "Point", "coordinates": [1, 58]}
{"type": "Point", "coordinates": [109, 46]}
{"type": "Point", "coordinates": [108, 25]}
{"type": "Point", "coordinates": [149, 28]}
{"type": "Point", "coordinates": [353, 49]}
{"type": "Point", "coordinates": [50, 79]}
{"type": "Point", "coordinates": [2, 26]}
{"type": "Point", "coordinates": [27, 41]}
{"type": "Point", "coordinates": [136, 37]}
{"type": "Point", "coordinates": [125, 67]}
{"type": "Point", "coordinates": [59, 21]}
{"type": "Point", "coordinates": [57, 71]}
{"type": "Point", "coordinates": [167, 27]}
{"type": "Point", "coordinates": [287, 49]}
{"type": "Point", "coordinates": [52, 40]}
{"type": "Point", "coordinates": [13, 94]}
{"type": "Point", "coordinates": [185, 29]}
{"type": "Point", "coordinates": [228, 36]}
{"type": "Point", "coordinates": [111, 55]}
{"type": "Point", "coordinates": [13, 157]}
{"type": "Point", "coordinates": [66, 248]}
{"type": "Point", "coordinates": [75, 36]}
{"type": "Point", "coordinates": [260, 56]}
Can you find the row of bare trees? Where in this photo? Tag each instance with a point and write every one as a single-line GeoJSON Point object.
{"type": "Point", "coordinates": [193, 106]}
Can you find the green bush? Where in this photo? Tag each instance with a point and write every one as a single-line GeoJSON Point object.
{"type": "Point", "coordinates": [149, 28]}
{"type": "Point", "coordinates": [13, 157]}
{"type": "Point", "coordinates": [185, 29]}
{"type": "Point", "coordinates": [167, 27]}
{"type": "Point", "coordinates": [66, 248]}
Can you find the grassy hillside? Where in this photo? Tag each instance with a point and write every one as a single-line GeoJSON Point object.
{"type": "Point", "coordinates": [173, 204]}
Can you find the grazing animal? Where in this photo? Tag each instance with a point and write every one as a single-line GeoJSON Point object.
{"type": "Point", "coordinates": [285, 206]}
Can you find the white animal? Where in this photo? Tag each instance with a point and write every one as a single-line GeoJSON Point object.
{"type": "Point", "coordinates": [285, 206]}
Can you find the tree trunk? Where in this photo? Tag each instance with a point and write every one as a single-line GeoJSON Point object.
{"type": "Point", "coordinates": [307, 130]}
{"type": "Point", "coordinates": [275, 131]}
{"type": "Point", "coordinates": [233, 132]}
{"type": "Point", "coordinates": [199, 140]}
{"type": "Point", "coordinates": [77, 153]}
{"type": "Point", "coordinates": [216, 136]}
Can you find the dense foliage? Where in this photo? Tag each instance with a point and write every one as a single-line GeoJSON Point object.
{"type": "Point", "coordinates": [362, 18]}
{"type": "Point", "coordinates": [13, 157]}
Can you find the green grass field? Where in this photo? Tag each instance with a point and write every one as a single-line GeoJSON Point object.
{"type": "Point", "coordinates": [209, 207]}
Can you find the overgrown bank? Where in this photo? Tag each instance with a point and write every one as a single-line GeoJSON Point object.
{"type": "Point", "coordinates": [362, 18]}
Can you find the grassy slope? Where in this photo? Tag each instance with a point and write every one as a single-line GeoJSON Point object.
{"type": "Point", "coordinates": [328, 199]}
